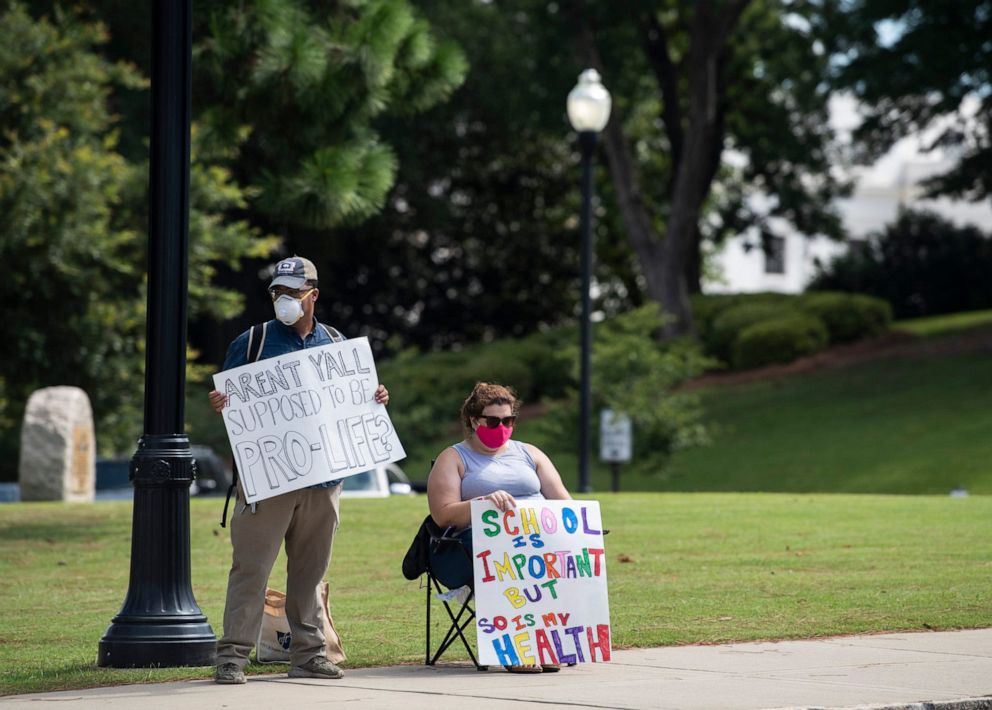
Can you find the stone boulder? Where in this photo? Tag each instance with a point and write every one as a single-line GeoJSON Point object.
{"type": "Point", "coordinates": [58, 447]}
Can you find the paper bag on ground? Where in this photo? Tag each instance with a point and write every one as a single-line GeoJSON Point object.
{"type": "Point", "coordinates": [274, 636]}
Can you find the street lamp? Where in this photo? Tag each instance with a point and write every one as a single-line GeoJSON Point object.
{"type": "Point", "coordinates": [159, 623]}
{"type": "Point", "coordinates": [588, 111]}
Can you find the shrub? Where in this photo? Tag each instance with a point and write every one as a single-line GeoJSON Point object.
{"type": "Point", "coordinates": [727, 326]}
{"type": "Point", "coordinates": [779, 340]}
{"type": "Point", "coordinates": [848, 316]}
{"type": "Point", "coordinates": [706, 308]}
{"type": "Point", "coordinates": [921, 264]}
{"type": "Point", "coordinates": [633, 373]}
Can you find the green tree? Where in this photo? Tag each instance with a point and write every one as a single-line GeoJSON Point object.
{"type": "Point", "coordinates": [711, 76]}
{"type": "Point", "coordinates": [309, 79]}
{"type": "Point", "coordinates": [922, 264]}
{"type": "Point", "coordinates": [479, 237]}
{"type": "Point", "coordinates": [493, 172]}
{"type": "Point", "coordinates": [920, 67]}
{"type": "Point", "coordinates": [73, 220]}
{"type": "Point", "coordinates": [297, 90]}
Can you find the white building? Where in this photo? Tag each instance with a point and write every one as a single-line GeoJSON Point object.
{"type": "Point", "coordinates": [893, 182]}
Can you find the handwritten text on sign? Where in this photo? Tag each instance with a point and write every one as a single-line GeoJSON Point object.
{"type": "Point", "coordinates": [306, 417]}
{"type": "Point", "coordinates": [540, 583]}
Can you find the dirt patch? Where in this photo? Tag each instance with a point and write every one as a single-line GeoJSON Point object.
{"type": "Point", "coordinates": [894, 344]}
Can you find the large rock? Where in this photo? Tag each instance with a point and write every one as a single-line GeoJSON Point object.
{"type": "Point", "coordinates": [58, 458]}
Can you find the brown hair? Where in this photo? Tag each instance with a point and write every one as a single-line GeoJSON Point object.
{"type": "Point", "coordinates": [483, 395]}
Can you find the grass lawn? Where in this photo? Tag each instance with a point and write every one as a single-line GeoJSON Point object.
{"type": "Point", "coordinates": [904, 424]}
{"type": "Point", "coordinates": [701, 568]}
{"type": "Point", "coordinates": [898, 425]}
{"type": "Point", "coordinates": [934, 326]}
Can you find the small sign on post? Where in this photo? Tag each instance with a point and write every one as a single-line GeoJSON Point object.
{"type": "Point", "coordinates": [616, 441]}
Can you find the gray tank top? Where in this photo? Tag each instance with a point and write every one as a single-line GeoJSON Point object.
{"type": "Point", "coordinates": [513, 471]}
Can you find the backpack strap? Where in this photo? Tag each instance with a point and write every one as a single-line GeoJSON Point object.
{"type": "Point", "coordinates": [256, 341]}
{"type": "Point", "coordinates": [230, 491]}
{"type": "Point", "coordinates": [333, 333]}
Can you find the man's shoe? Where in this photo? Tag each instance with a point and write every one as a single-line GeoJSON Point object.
{"type": "Point", "coordinates": [316, 667]}
{"type": "Point", "coordinates": [229, 674]}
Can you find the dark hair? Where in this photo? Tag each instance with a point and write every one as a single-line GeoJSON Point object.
{"type": "Point", "coordinates": [311, 283]}
{"type": "Point", "coordinates": [483, 395]}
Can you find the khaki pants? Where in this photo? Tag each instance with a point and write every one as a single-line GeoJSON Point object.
{"type": "Point", "coordinates": [306, 519]}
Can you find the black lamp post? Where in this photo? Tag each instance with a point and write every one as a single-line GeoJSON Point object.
{"type": "Point", "coordinates": [588, 111]}
{"type": "Point", "coordinates": [160, 623]}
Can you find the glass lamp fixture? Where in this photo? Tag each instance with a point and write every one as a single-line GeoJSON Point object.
{"type": "Point", "coordinates": [589, 103]}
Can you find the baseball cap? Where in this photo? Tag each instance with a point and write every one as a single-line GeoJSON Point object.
{"type": "Point", "coordinates": [293, 272]}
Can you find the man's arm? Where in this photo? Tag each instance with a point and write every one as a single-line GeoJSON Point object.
{"type": "Point", "coordinates": [237, 355]}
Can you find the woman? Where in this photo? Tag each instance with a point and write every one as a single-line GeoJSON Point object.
{"type": "Point", "coordinates": [489, 465]}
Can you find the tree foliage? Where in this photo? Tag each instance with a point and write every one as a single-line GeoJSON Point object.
{"type": "Point", "coordinates": [484, 215]}
{"type": "Point", "coordinates": [295, 92]}
{"type": "Point", "coordinates": [921, 264]}
{"type": "Point", "coordinates": [309, 79]}
{"type": "Point", "coordinates": [479, 238]}
{"type": "Point", "coordinates": [73, 219]}
{"type": "Point", "coordinates": [731, 93]}
{"type": "Point", "coordinates": [921, 67]}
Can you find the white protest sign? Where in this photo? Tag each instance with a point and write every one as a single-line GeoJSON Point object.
{"type": "Point", "coordinates": [306, 417]}
{"type": "Point", "coordinates": [540, 583]}
{"type": "Point", "coordinates": [616, 439]}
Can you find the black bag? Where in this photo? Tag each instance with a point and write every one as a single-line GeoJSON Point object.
{"type": "Point", "coordinates": [416, 559]}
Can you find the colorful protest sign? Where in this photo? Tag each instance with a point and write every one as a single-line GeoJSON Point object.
{"type": "Point", "coordinates": [540, 583]}
{"type": "Point", "coordinates": [306, 417]}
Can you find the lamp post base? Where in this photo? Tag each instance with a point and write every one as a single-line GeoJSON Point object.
{"type": "Point", "coordinates": [146, 643]}
{"type": "Point", "coordinates": [160, 623]}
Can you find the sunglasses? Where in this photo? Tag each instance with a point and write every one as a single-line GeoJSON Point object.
{"type": "Point", "coordinates": [297, 294]}
{"type": "Point", "coordinates": [493, 422]}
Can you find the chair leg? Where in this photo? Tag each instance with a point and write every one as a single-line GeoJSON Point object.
{"type": "Point", "coordinates": [427, 651]}
{"type": "Point", "coordinates": [457, 629]}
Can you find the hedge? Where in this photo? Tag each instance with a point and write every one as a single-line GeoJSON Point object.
{"type": "Point", "coordinates": [719, 341]}
{"type": "Point", "coordinates": [721, 319]}
{"type": "Point", "coordinates": [779, 340]}
{"type": "Point", "coordinates": [848, 316]}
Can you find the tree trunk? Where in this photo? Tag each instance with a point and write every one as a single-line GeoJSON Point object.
{"type": "Point", "coordinates": [671, 264]}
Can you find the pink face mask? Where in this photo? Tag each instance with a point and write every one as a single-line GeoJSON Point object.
{"type": "Point", "coordinates": [493, 437]}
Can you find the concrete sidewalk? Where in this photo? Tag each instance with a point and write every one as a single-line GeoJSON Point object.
{"type": "Point", "coordinates": [909, 670]}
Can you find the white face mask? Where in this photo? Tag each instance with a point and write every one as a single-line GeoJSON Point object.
{"type": "Point", "coordinates": [288, 309]}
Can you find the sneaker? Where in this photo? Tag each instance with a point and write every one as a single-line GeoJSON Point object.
{"type": "Point", "coordinates": [316, 667]}
{"type": "Point", "coordinates": [229, 674]}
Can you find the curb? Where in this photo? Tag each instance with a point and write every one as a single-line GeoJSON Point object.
{"type": "Point", "coordinates": [980, 703]}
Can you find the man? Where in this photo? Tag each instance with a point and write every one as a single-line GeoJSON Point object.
{"type": "Point", "coordinates": [306, 519]}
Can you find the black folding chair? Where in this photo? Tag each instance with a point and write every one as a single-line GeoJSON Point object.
{"type": "Point", "coordinates": [430, 538]}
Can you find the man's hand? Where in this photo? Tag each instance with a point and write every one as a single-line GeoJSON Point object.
{"type": "Point", "coordinates": [218, 400]}
{"type": "Point", "coordinates": [381, 395]}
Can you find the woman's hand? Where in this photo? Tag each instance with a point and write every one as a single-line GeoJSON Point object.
{"type": "Point", "coordinates": [502, 500]}
{"type": "Point", "coordinates": [218, 400]}
{"type": "Point", "coordinates": [381, 395]}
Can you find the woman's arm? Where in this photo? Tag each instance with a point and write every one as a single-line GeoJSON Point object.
{"type": "Point", "coordinates": [551, 484]}
{"type": "Point", "coordinates": [444, 493]}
